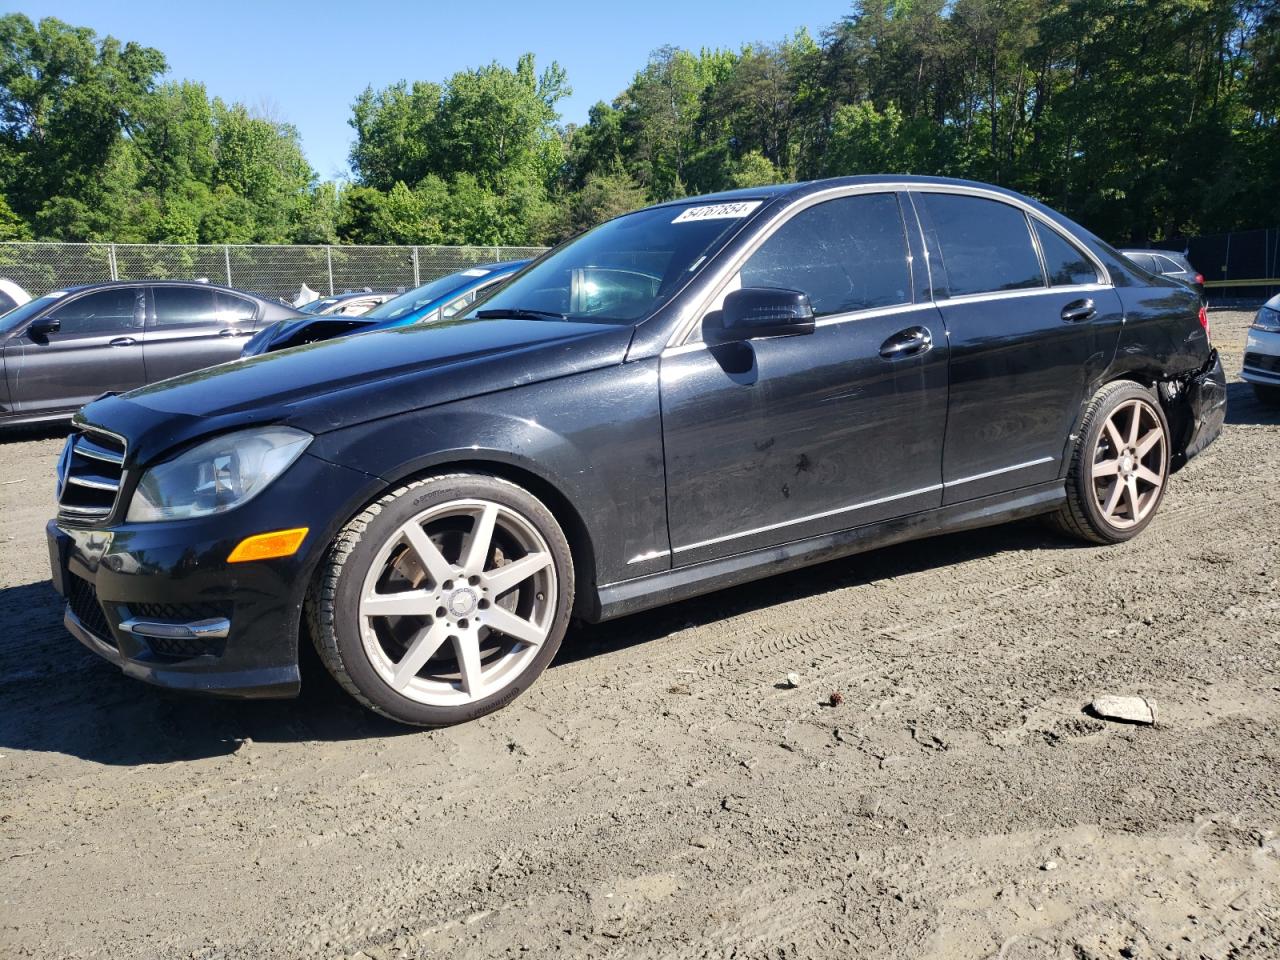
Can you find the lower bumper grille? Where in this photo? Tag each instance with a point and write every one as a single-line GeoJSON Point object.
{"type": "Point", "coordinates": [82, 597]}
{"type": "Point", "coordinates": [184, 648]}
{"type": "Point", "coordinates": [1262, 361]}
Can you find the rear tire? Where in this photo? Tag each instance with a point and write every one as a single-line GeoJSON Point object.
{"type": "Point", "coordinates": [1267, 395]}
{"type": "Point", "coordinates": [444, 600]}
{"type": "Point", "coordinates": [1119, 467]}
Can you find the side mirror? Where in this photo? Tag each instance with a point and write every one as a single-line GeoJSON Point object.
{"type": "Point", "coordinates": [44, 326]}
{"type": "Point", "coordinates": [754, 312]}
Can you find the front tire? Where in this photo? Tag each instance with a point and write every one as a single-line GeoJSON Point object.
{"type": "Point", "coordinates": [444, 600]}
{"type": "Point", "coordinates": [1119, 467]}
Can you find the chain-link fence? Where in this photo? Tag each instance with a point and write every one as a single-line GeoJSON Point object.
{"type": "Point", "coordinates": [1241, 265]}
{"type": "Point", "coordinates": [276, 271]}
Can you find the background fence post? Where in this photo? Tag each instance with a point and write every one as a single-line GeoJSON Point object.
{"type": "Point", "coordinates": [416, 281]}
{"type": "Point", "coordinates": [226, 256]}
{"type": "Point", "coordinates": [111, 258]}
{"type": "Point", "coordinates": [328, 256]}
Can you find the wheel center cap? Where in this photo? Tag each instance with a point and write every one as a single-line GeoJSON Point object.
{"type": "Point", "coordinates": [462, 602]}
{"type": "Point", "coordinates": [1127, 465]}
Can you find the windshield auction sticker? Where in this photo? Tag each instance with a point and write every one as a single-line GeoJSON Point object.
{"type": "Point", "coordinates": [717, 211]}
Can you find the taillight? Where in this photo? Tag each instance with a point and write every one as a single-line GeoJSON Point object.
{"type": "Point", "coordinates": [1200, 279]}
{"type": "Point", "coordinates": [1204, 320]}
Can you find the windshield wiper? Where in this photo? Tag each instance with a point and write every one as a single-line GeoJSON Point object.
{"type": "Point", "coordinates": [519, 313]}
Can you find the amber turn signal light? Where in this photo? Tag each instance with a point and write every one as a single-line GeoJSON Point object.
{"type": "Point", "coordinates": [268, 546]}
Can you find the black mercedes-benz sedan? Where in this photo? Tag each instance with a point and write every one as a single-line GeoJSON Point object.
{"type": "Point", "coordinates": [686, 397]}
{"type": "Point", "coordinates": [59, 351]}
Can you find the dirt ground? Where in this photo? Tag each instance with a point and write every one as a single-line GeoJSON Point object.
{"type": "Point", "coordinates": [659, 793]}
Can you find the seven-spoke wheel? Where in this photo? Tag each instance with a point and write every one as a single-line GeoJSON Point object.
{"type": "Point", "coordinates": [445, 599]}
{"type": "Point", "coordinates": [1129, 462]}
{"type": "Point", "coordinates": [1119, 467]}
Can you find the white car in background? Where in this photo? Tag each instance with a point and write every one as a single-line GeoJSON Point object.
{"type": "Point", "coordinates": [11, 295]}
{"type": "Point", "coordinates": [1262, 353]}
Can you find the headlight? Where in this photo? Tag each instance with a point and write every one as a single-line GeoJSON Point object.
{"type": "Point", "coordinates": [1267, 320]}
{"type": "Point", "coordinates": [217, 475]}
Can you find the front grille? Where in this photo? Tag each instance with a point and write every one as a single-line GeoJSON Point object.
{"type": "Point", "coordinates": [90, 473]}
{"type": "Point", "coordinates": [1262, 361]}
{"type": "Point", "coordinates": [82, 597]}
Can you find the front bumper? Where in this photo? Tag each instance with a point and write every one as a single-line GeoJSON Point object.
{"type": "Point", "coordinates": [160, 601]}
{"type": "Point", "coordinates": [1262, 358]}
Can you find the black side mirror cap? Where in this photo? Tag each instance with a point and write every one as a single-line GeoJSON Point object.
{"type": "Point", "coordinates": [44, 326]}
{"type": "Point", "coordinates": [754, 312]}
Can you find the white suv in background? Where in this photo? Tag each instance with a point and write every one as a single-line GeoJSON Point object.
{"type": "Point", "coordinates": [1262, 353]}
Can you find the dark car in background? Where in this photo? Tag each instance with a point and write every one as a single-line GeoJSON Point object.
{"type": "Point", "coordinates": [1167, 263]}
{"type": "Point", "coordinates": [351, 303]}
{"type": "Point", "coordinates": [437, 300]}
{"type": "Point", "coordinates": [64, 349]}
{"type": "Point", "coordinates": [687, 397]}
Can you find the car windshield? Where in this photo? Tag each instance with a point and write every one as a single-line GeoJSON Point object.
{"type": "Point", "coordinates": [419, 297]}
{"type": "Point", "coordinates": [19, 315]}
{"type": "Point", "coordinates": [315, 306]}
{"type": "Point", "coordinates": [623, 270]}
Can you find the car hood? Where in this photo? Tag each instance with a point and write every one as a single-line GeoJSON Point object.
{"type": "Point", "coordinates": [339, 383]}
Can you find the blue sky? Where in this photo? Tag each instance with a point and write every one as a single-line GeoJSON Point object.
{"type": "Point", "coordinates": [307, 62]}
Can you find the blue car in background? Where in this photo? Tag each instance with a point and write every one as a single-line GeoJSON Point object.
{"type": "Point", "coordinates": [437, 300]}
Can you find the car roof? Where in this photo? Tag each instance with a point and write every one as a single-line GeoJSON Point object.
{"type": "Point", "coordinates": [782, 190]}
{"type": "Point", "coordinates": [349, 294]}
{"type": "Point", "coordinates": [106, 284]}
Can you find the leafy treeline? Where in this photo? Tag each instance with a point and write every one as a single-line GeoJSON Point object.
{"type": "Point", "coordinates": [1144, 119]}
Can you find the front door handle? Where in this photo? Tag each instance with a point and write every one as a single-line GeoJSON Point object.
{"type": "Point", "coordinates": [907, 343]}
{"type": "Point", "coordinates": [233, 332]}
{"type": "Point", "coordinates": [1078, 311]}
{"type": "Point", "coordinates": [123, 342]}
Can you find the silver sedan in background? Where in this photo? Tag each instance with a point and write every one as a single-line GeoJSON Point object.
{"type": "Point", "coordinates": [1262, 353]}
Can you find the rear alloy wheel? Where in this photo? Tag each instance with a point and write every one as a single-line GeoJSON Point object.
{"type": "Point", "coordinates": [1119, 468]}
{"type": "Point", "coordinates": [444, 600]}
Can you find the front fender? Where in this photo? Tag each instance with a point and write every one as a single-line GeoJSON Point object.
{"type": "Point", "coordinates": [594, 439]}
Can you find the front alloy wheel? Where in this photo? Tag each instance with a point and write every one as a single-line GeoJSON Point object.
{"type": "Point", "coordinates": [444, 600]}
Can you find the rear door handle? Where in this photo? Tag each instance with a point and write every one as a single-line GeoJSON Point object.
{"type": "Point", "coordinates": [1078, 311]}
{"type": "Point", "coordinates": [233, 332]}
{"type": "Point", "coordinates": [123, 342]}
{"type": "Point", "coordinates": [907, 343]}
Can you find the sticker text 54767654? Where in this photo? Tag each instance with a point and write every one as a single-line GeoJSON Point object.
{"type": "Point", "coordinates": [717, 211]}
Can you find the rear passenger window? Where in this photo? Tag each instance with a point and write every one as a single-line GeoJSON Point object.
{"type": "Point", "coordinates": [845, 254]}
{"type": "Point", "coordinates": [235, 309]}
{"type": "Point", "coordinates": [1066, 264]}
{"type": "Point", "coordinates": [986, 245]}
{"type": "Point", "coordinates": [184, 307]}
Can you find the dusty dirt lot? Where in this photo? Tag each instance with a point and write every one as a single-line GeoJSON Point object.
{"type": "Point", "coordinates": [659, 794]}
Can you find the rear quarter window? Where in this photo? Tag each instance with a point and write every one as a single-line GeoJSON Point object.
{"type": "Point", "coordinates": [1065, 263]}
{"type": "Point", "coordinates": [986, 245]}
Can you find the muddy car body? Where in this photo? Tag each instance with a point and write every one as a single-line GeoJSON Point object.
{"type": "Point", "coordinates": [688, 397]}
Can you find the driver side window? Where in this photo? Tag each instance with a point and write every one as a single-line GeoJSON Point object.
{"type": "Point", "coordinates": [100, 313]}
{"type": "Point", "coordinates": [846, 254]}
